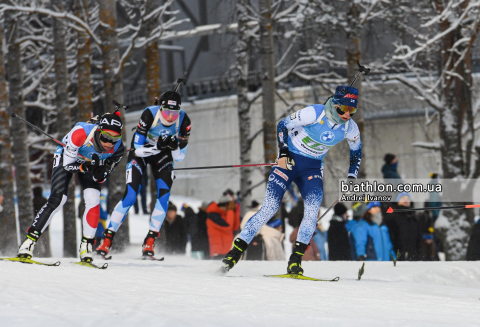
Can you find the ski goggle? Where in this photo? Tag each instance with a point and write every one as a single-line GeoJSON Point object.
{"type": "Point", "coordinates": [167, 112]}
{"type": "Point", "coordinates": [344, 109]}
{"type": "Point", "coordinates": [108, 138]}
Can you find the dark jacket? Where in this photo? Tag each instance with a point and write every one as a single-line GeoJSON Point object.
{"type": "Point", "coordinates": [338, 243]}
{"type": "Point", "coordinates": [175, 236]}
{"type": "Point", "coordinates": [405, 233]}
{"type": "Point", "coordinates": [473, 250]}
{"type": "Point", "coordinates": [198, 233]}
{"type": "Point", "coordinates": [390, 172]}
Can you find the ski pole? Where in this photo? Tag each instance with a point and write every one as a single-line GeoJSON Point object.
{"type": "Point", "coordinates": [361, 70]}
{"type": "Point", "coordinates": [329, 208]}
{"type": "Point", "coordinates": [228, 166]}
{"type": "Point", "coordinates": [179, 82]}
{"type": "Point", "coordinates": [36, 128]}
{"type": "Point", "coordinates": [468, 206]}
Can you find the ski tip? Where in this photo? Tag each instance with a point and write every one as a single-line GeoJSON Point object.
{"type": "Point", "coordinates": [390, 210]}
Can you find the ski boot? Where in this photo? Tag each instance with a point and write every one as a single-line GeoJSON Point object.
{"type": "Point", "coordinates": [86, 249]}
{"type": "Point", "coordinates": [232, 257]}
{"type": "Point", "coordinates": [295, 261]}
{"type": "Point", "coordinates": [26, 249]}
{"type": "Point", "coordinates": [149, 244]}
{"type": "Point", "coordinates": [106, 244]}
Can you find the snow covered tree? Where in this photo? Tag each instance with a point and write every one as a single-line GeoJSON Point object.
{"type": "Point", "coordinates": [8, 229]}
{"type": "Point", "coordinates": [434, 59]}
{"type": "Point", "coordinates": [19, 134]}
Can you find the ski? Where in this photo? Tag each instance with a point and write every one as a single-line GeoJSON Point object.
{"type": "Point", "coordinates": [294, 276]}
{"type": "Point", "coordinates": [91, 265]}
{"type": "Point", "coordinates": [222, 271]}
{"type": "Point", "coordinates": [30, 261]}
{"type": "Point", "coordinates": [152, 258]}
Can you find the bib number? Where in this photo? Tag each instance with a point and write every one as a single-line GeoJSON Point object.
{"type": "Point", "coordinates": [56, 159]}
{"type": "Point", "coordinates": [128, 177]}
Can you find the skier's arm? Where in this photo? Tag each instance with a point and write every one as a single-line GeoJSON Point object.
{"type": "Point", "coordinates": [303, 117]}
{"type": "Point", "coordinates": [73, 141]}
{"type": "Point", "coordinates": [144, 124]}
{"type": "Point", "coordinates": [355, 144]}
{"type": "Point", "coordinates": [183, 136]}
{"type": "Point", "coordinates": [112, 162]}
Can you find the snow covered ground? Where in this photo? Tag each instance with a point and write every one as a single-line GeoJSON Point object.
{"type": "Point", "coordinates": [185, 292]}
{"type": "Point", "coordinates": [182, 291]}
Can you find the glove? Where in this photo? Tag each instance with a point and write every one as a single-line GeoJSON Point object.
{"type": "Point", "coordinates": [167, 143]}
{"type": "Point", "coordinates": [289, 162]}
{"type": "Point", "coordinates": [90, 166]}
{"type": "Point", "coordinates": [147, 150]}
{"type": "Point", "coordinates": [100, 173]}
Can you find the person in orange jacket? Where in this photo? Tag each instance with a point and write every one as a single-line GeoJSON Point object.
{"type": "Point", "coordinates": [222, 222]}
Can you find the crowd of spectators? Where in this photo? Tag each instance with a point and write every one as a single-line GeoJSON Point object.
{"type": "Point", "coordinates": [369, 234]}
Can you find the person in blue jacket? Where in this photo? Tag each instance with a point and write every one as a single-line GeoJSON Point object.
{"type": "Point", "coordinates": [372, 242]}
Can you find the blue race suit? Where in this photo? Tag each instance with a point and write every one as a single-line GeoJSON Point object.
{"type": "Point", "coordinates": [309, 135]}
{"type": "Point", "coordinates": [148, 132]}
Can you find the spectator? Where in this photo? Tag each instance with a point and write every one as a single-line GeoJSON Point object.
{"type": "Point", "coordinates": [312, 253]}
{"type": "Point", "coordinates": [372, 242]}
{"type": "Point", "coordinates": [427, 246]}
{"type": "Point", "coordinates": [273, 237]}
{"type": "Point", "coordinates": [320, 238]}
{"type": "Point", "coordinates": [1, 200]}
{"type": "Point", "coordinates": [389, 169]}
{"type": "Point", "coordinates": [434, 197]}
{"type": "Point", "coordinates": [256, 250]}
{"type": "Point", "coordinates": [174, 231]}
{"type": "Point", "coordinates": [338, 243]}
{"type": "Point", "coordinates": [143, 195]}
{"type": "Point", "coordinates": [358, 209]}
{"type": "Point", "coordinates": [404, 229]}
{"type": "Point", "coordinates": [199, 235]}
{"type": "Point", "coordinates": [222, 222]}
{"type": "Point", "coordinates": [230, 194]}
{"type": "Point", "coordinates": [473, 250]}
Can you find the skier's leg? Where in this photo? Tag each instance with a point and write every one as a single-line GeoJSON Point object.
{"type": "Point", "coordinates": [58, 197]}
{"type": "Point", "coordinates": [164, 181]}
{"type": "Point", "coordinates": [136, 167]}
{"type": "Point", "coordinates": [311, 188]}
{"type": "Point", "coordinates": [278, 182]}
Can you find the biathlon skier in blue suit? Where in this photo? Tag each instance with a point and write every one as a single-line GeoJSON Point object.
{"type": "Point", "coordinates": [161, 137]}
{"type": "Point", "coordinates": [304, 139]}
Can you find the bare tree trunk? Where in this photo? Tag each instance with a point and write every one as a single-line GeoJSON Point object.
{"type": "Point", "coordinates": [354, 53]}
{"type": "Point", "coordinates": [83, 65]}
{"type": "Point", "coordinates": [454, 226]}
{"type": "Point", "coordinates": [152, 56]}
{"type": "Point", "coordinates": [113, 90]}
{"type": "Point", "coordinates": [64, 124]}
{"type": "Point", "coordinates": [268, 82]}
{"type": "Point", "coordinates": [243, 104]}
{"type": "Point", "coordinates": [8, 227]}
{"type": "Point", "coordinates": [19, 137]}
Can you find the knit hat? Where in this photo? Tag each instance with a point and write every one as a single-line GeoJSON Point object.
{"type": "Point", "coordinates": [254, 204]}
{"type": "Point", "coordinates": [111, 122]}
{"type": "Point", "coordinates": [274, 222]}
{"type": "Point", "coordinates": [403, 194]}
{"type": "Point", "coordinates": [373, 204]}
{"type": "Point", "coordinates": [388, 158]}
{"type": "Point", "coordinates": [359, 209]}
{"type": "Point", "coordinates": [346, 95]}
{"type": "Point", "coordinates": [224, 200]}
{"type": "Point", "coordinates": [339, 209]}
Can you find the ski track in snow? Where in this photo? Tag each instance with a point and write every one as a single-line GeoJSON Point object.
{"type": "Point", "coordinates": [181, 291]}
